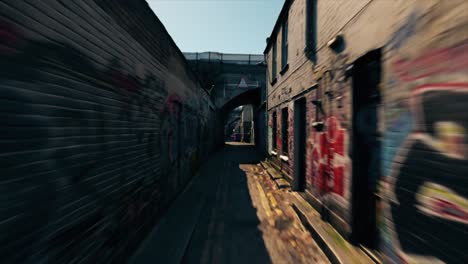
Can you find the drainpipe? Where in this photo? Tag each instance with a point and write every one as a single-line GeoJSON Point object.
{"type": "Point", "coordinates": [267, 79]}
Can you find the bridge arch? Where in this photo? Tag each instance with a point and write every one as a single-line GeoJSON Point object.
{"type": "Point", "coordinates": [253, 98]}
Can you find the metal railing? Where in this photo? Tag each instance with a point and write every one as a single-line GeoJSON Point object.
{"type": "Point", "coordinates": [249, 59]}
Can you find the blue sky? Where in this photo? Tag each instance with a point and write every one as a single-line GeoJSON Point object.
{"type": "Point", "coordinates": [229, 26]}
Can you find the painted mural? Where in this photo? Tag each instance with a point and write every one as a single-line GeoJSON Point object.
{"type": "Point", "coordinates": [425, 210]}
{"type": "Point", "coordinates": [329, 161]}
{"type": "Point", "coordinates": [329, 165]}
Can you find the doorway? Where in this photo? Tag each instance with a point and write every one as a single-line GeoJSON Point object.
{"type": "Point", "coordinates": [274, 132]}
{"type": "Point", "coordinates": [366, 147]}
{"type": "Point", "coordinates": [299, 179]}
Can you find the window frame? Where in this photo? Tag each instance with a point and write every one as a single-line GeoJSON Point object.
{"type": "Point", "coordinates": [274, 62]}
{"type": "Point", "coordinates": [310, 49]}
{"type": "Point", "coordinates": [284, 45]}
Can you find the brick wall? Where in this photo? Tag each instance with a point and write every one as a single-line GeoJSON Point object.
{"type": "Point", "coordinates": [422, 117]}
{"type": "Point", "coordinates": [103, 123]}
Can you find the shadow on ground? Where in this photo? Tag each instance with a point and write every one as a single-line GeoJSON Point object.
{"type": "Point", "coordinates": [227, 230]}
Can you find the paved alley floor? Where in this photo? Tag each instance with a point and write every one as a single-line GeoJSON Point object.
{"type": "Point", "coordinates": [239, 217]}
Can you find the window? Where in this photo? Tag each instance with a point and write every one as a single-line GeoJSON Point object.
{"type": "Point", "coordinates": [273, 133]}
{"type": "Point", "coordinates": [273, 64]}
{"type": "Point", "coordinates": [311, 29]}
{"type": "Point", "coordinates": [284, 46]}
{"type": "Point", "coordinates": [284, 130]}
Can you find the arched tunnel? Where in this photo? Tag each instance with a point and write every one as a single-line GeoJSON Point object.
{"type": "Point", "coordinates": [250, 97]}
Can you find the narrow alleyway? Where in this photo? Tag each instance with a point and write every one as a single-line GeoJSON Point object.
{"type": "Point", "coordinates": [243, 218]}
{"type": "Point", "coordinates": [112, 144]}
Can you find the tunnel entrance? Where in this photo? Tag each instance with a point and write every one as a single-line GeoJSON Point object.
{"type": "Point", "coordinates": [240, 125]}
{"type": "Point", "coordinates": [243, 118]}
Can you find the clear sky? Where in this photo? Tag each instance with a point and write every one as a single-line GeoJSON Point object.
{"type": "Point", "coordinates": [228, 26]}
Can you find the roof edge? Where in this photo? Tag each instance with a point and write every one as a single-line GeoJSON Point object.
{"type": "Point", "coordinates": [279, 20]}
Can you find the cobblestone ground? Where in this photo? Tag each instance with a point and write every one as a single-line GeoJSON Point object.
{"type": "Point", "coordinates": [247, 219]}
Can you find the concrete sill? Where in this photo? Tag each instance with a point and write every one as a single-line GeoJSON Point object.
{"type": "Point", "coordinates": [274, 81]}
{"type": "Point", "coordinates": [285, 69]}
{"type": "Point", "coordinates": [274, 153]}
{"type": "Point", "coordinates": [318, 126]}
{"type": "Point", "coordinates": [284, 158]}
{"type": "Point", "coordinates": [314, 124]}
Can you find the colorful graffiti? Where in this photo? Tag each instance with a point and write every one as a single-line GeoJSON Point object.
{"type": "Point", "coordinates": [426, 209]}
{"type": "Point", "coordinates": [329, 158]}
{"type": "Point", "coordinates": [330, 166]}
{"type": "Point", "coordinates": [401, 36]}
{"type": "Point", "coordinates": [278, 131]}
{"type": "Point", "coordinates": [439, 61]}
{"type": "Point", "coordinates": [428, 183]}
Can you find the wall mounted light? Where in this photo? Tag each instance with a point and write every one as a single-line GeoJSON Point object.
{"type": "Point", "coordinates": [318, 104]}
{"type": "Point", "coordinates": [318, 126]}
{"type": "Point", "coordinates": [337, 43]}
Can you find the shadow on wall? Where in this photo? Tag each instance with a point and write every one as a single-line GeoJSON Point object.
{"type": "Point", "coordinates": [83, 167]}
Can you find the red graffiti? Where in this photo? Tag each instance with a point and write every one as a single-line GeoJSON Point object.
{"type": "Point", "coordinates": [10, 38]}
{"type": "Point", "coordinates": [171, 104]}
{"type": "Point", "coordinates": [439, 61]}
{"type": "Point", "coordinates": [279, 143]}
{"type": "Point", "coordinates": [328, 158]}
{"type": "Point", "coordinates": [449, 210]}
{"type": "Point", "coordinates": [124, 81]}
{"type": "Point", "coordinates": [291, 135]}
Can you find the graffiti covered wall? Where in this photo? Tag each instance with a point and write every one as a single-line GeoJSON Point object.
{"type": "Point", "coordinates": [102, 125]}
{"type": "Point", "coordinates": [328, 152]}
{"type": "Point", "coordinates": [419, 145]}
{"type": "Point", "coordinates": [425, 158]}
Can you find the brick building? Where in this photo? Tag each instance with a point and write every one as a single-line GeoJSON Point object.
{"type": "Point", "coordinates": [104, 124]}
{"type": "Point", "coordinates": [366, 105]}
